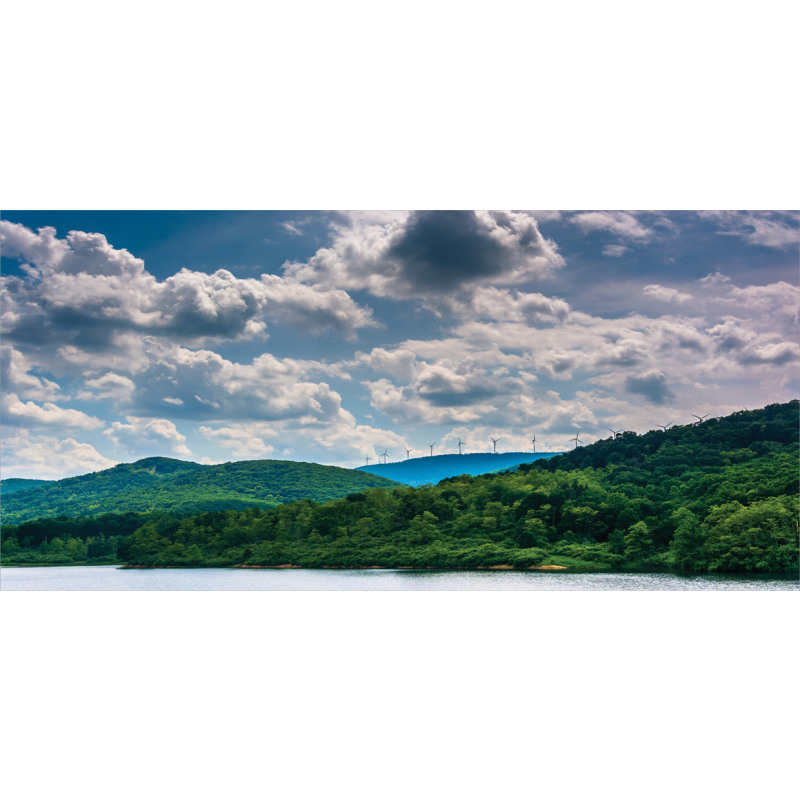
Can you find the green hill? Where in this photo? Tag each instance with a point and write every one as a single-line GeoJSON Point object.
{"type": "Point", "coordinates": [183, 487]}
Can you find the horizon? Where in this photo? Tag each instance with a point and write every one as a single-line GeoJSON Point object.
{"type": "Point", "coordinates": [329, 337]}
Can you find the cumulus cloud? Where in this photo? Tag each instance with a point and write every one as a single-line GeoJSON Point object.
{"type": "Point", "coordinates": [27, 456]}
{"type": "Point", "coordinates": [153, 435]}
{"type": "Point", "coordinates": [29, 414]}
{"type": "Point", "coordinates": [429, 253]}
{"type": "Point", "coordinates": [17, 373]}
{"type": "Point", "coordinates": [243, 440]}
{"type": "Point", "coordinates": [400, 363]}
{"type": "Point", "coordinates": [202, 384]}
{"type": "Point", "coordinates": [109, 386]}
{"type": "Point", "coordinates": [614, 250]}
{"type": "Point", "coordinates": [510, 305]}
{"type": "Point", "coordinates": [82, 291]}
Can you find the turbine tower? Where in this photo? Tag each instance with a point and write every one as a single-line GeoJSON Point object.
{"type": "Point", "coordinates": [699, 419]}
{"type": "Point", "coordinates": [665, 426]}
{"type": "Point", "coordinates": [576, 440]}
{"type": "Point", "coordinates": [459, 445]}
{"type": "Point", "coordinates": [533, 442]}
{"type": "Point", "coordinates": [384, 454]}
{"type": "Point", "coordinates": [408, 452]}
{"type": "Point", "coordinates": [494, 443]}
{"type": "Point", "coordinates": [616, 433]}
{"type": "Point", "coordinates": [431, 447]}
{"type": "Point", "coordinates": [368, 460]}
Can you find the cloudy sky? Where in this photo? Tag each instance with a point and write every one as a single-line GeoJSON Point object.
{"type": "Point", "coordinates": [331, 336]}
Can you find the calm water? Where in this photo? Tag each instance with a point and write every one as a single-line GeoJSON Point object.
{"type": "Point", "coordinates": [113, 578]}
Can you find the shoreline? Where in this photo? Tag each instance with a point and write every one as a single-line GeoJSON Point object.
{"type": "Point", "coordinates": [789, 575]}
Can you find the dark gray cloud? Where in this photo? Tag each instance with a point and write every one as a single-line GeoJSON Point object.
{"type": "Point", "coordinates": [441, 250]}
{"type": "Point", "coordinates": [651, 385]}
{"type": "Point", "coordinates": [430, 254]}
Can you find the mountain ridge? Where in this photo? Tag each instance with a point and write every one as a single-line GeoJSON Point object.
{"type": "Point", "coordinates": [167, 484]}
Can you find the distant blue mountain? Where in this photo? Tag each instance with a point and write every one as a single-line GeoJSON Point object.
{"type": "Point", "coordinates": [432, 469]}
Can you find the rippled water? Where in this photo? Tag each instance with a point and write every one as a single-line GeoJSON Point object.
{"type": "Point", "coordinates": [114, 578]}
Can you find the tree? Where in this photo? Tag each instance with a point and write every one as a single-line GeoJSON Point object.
{"type": "Point", "coordinates": [638, 542]}
{"type": "Point", "coordinates": [687, 549]}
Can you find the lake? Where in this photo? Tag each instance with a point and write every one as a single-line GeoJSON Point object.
{"type": "Point", "coordinates": [116, 579]}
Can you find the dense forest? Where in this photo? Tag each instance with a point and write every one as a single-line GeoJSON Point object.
{"type": "Point", "coordinates": [184, 487]}
{"type": "Point", "coordinates": [718, 496]}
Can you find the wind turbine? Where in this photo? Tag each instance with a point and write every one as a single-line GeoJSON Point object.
{"type": "Point", "coordinates": [494, 443]}
{"type": "Point", "coordinates": [384, 454]}
{"type": "Point", "coordinates": [408, 451]}
{"type": "Point", "coordinates": [533, 442]}
{"type": "Point", "coordinates": [700, 419]}
{"type": "Point", "coordinates": [368, 460]}
{"type": "Point", "coordinates": [576, 440]}
{"type": "Point", "coordinates": [665, 426]}
{"type": "Point", "coordinates": [459, 445]}
{"type": "Point", "coordinates": [431, 447]}
{"type": "Point", "coordinates": [616, 433]}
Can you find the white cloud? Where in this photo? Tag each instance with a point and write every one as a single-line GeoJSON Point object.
{"type": "Point", "coordinates": [666, 294]}
{"type": "Point", "coordinates": [546, 216]}
{"type": "Point", "coordinates": [49, 458]}
{"type": "Point", "coordinates": [16, 369]}
{"type": "Point", "coordinates": [210, 386]}
{"type": "Point", "coordinates": [511, 305]}
{"type": "Point", "coordinates": [83, 289]}
{"type": "Point", "coordinates": [109, 386]}
{"type": "Point", "coordinates": [291, 228]}
{"type": "Point", "coordinates": [28, 414]}
{"type": "Point", "coordinates": [153, 435]}
{"type": "Point", "coordinates": [243, 440]}
{"type": "Point", "coordinates": [776, 229]}
{"type": "Point", "coordinates": [614, 250]}
{"type": "Point", "coordinates": [622, 223]}
{"type": "Point", "coordinates": [339, 441]}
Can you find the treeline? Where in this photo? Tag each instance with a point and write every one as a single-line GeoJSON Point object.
{"type": "Point", "coordinates": [721, 496]}
{"type": "Point", "coordinates": [69, 540]}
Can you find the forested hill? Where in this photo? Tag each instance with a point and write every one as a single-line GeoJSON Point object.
{"type": "Point", "coordinates": [716, 442]}
{"type": "Point", "coordinates": [432, 469]}
{"type": "Point", "coordinates": [167, 484]}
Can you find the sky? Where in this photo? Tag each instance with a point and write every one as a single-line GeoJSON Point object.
{"type": "Point", "coordinates": [333, 336]}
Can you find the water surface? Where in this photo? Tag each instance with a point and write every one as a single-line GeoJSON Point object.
{"type": "Point", "coordinates": [114, 578]}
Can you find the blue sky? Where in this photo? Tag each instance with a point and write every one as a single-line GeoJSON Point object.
{"type": "Point", "coordinates": [329, 336]}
